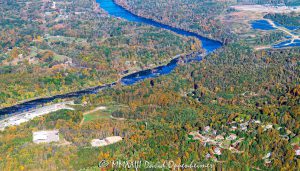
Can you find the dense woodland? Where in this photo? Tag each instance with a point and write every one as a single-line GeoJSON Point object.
{"type": "Point", "coordinates": [234, 84]}
{"type": "Point", "coordinates": [240, 85]}
{"type": "Point", "coordinates": [197, 16]}
{"type": "Point", "coordinates": [212, 18]}
{"type": "Point", "coordinates": [46, 51]}
{"type": "Point", "coordinates": [292, 19]}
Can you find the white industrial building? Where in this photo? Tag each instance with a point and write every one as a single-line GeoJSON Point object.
{"type": "Point", "coordinates": [45, 136]}
{"type": "Point", "coordinates": [106, 141]}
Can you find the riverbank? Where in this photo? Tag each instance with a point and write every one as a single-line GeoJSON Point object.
{"type": "Point", "coordinates": [131, 78]}
{"type": "Point", "coordinates": [290, 40]}
{"type": "Point", "coordinates": [30, 104]}
{"type": "Point", "coordinates": [283, 29]}
{"type": "Point", "coordinates": [126, 7]}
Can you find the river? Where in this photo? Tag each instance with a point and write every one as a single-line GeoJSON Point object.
{"type": "Point", "coordinates": [117, 11]}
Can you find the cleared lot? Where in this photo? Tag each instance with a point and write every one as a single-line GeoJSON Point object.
{"type": "Point", "coordinates": [266, 8]}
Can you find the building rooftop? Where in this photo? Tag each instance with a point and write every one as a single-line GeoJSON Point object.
{"type": "Point", "coordinates": [45, 136]}
{"type": "Point", "coordinates": [106, 141]}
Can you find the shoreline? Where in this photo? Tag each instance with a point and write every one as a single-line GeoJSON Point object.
{"type": "Point", "coordinates": [120, 4]}
{"type": "Point", "coordinates": [90, 88]}
{"type": "Point", "coordinates": [105, 84]}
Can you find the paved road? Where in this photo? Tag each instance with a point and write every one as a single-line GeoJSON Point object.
{"type": "Point", "coordinates": [287, 31]}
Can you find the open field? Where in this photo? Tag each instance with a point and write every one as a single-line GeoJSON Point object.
{"type": "Point", "coordinates": [94, 114]}
{"type": "Point", "coordinates": [240, 19]}
{"type": "Point", "coordinates": [266, 8]}
{"type": "Point", "coordinates": [102, 112]}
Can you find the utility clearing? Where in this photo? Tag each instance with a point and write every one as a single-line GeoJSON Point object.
{"type": "Point", "coordinates": [92, 111]}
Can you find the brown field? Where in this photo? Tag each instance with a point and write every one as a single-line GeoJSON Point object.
{"type": "Point", "coordinates": [266, 9]}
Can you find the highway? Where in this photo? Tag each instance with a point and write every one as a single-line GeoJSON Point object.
{"type": "Point", "coordinates": [29, 115]}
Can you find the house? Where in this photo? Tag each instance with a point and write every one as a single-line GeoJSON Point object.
{"type": "Point", "coordinates": [219, 137]}
{"type": "Point", "coordinates": [233, 128]}
{"type": "Point", "coordinates": [266, 127]}
{"type": "Point", "coordinates": [217, 151]}
{"type": "Point", "coordinates": [257, 122]}
{"type": "Point", "coordinates": [53, 5]}
{"type": "Point", "coordinates": [206, 129]}
{"type": "Point", "coordinates": [231, 137]}
{"type": "Point", "coordinates": [297, 150]}
{"type": "Point", "coordinates": [214, 132]}
{"type": "Point", "coordinates": [244, 126]}
{"type": "Point", "coordinates": [267, 156]}
{"type": "Point", "coordinates": [207, 156]}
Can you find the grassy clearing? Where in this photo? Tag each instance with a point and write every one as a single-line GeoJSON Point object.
{"type": "Point", "coordinates": [102, 114]}
{"type": "Point", "coordinates": [96, 115]}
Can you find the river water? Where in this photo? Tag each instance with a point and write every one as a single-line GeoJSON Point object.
{"type": "Point", "coordinates": [117, 11]}
{"type": "Point", "coordinates": [265, 25]}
